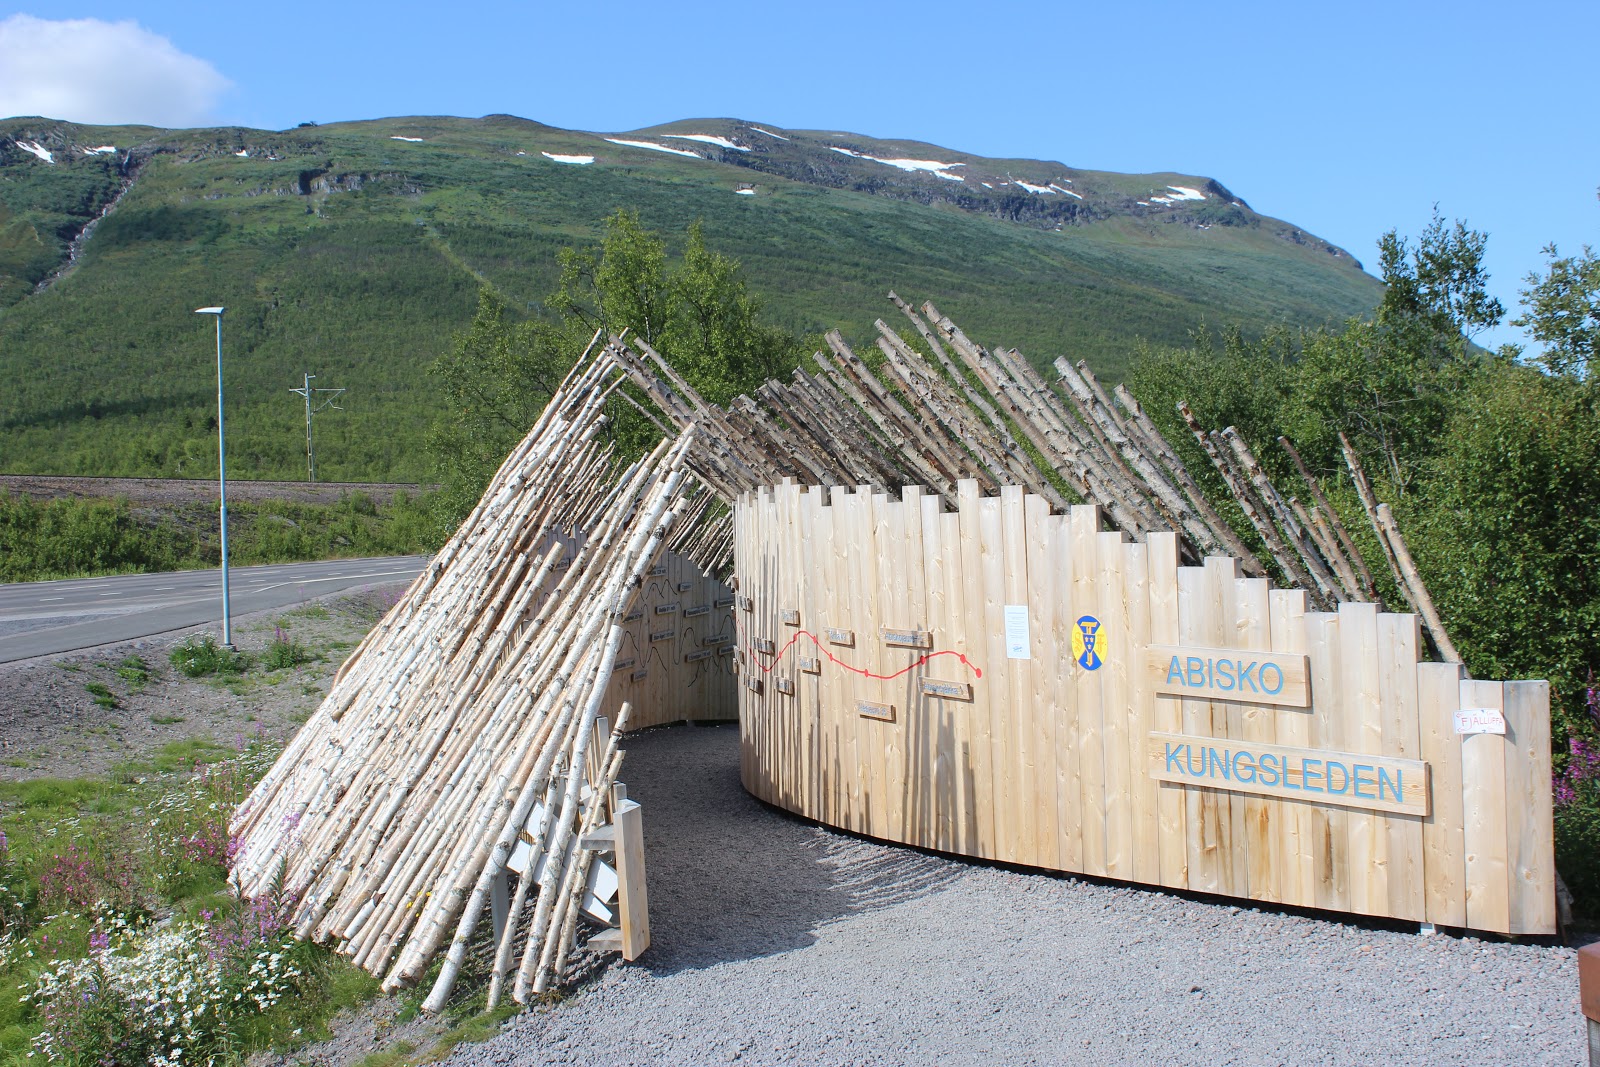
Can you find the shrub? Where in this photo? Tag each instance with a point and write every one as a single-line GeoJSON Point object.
{"type": "Point", "coordinates": [1577, 800]}
{"type": "Point", "coordinates": [200, 655]}
{"type": "Point", "coordinates": [284, 651]}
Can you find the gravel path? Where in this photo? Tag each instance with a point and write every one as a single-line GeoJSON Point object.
{"type": "Point", "coordinates": [776, 941]}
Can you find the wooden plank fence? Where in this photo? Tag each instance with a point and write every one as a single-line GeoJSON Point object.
{"type": "Point", "coordinates": [1004, 683]}
{"type": "Point", "coordinates": [677, 654]}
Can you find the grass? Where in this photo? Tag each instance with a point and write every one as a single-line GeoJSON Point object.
{"type": "Point", "coordinates": [393, 270]}
{"type": "Point", "coordinates": [103, 696]}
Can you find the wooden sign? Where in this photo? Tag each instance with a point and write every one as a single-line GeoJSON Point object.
{"type": "Point", "coordinates": [725, 650]}
{"type": "Point", "coordinates": [790, 616]}
{"type": "Point", "coordinates": [658, 570]}
{"type": "Point", "coordinates": [1230, 674]}
{"type": "Point", "coordinates": [1321, 776]}
{"type": "Point", "coordinates": [949, 690]}
{"type": "Point", "coordinates": [811, 664]}
{"type": "Point", "coordinates": [661, 635]}
{"type": "Point", "coordinates": [622, 665]}
{"type": "Point", "coordinates": [764, 646]}
{"type": "Point", "coordinates": [747, 604]}
{"type": "Point", "coordinates": [871, 709]}
{"type": "Point", "coordinates": [667, 609]}
{"type": "Point", "coordinates": [837, 636]}
{"type": "Point", "coordinates": [722, 602]}
{"type": "Point", "coordinates": [786, 686]}
{"type": "Point", "coordinates": [907, 638]}
{"type": "Point", "coordinates": [684, 587]}
{"type": "Point", "coordinates": [752, 682]}
{"type": "Point", "coordinates": [696, 611]}
{"type": "Point", "coordinates": [696, 656]}
{"type": "Point", "coordinates": [640, 674]}
{"type": "Point", "coordinates": [633, 616]}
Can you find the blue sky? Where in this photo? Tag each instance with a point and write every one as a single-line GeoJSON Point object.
{"type": "Point", "coordinates": [1346, 119]}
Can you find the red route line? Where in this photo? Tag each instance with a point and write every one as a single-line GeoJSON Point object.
{"type": "Point", "coordinates": [919, 661]}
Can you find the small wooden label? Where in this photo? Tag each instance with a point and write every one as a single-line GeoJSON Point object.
{"type": "Point", "coordinates": [907, 638]}
{"type": "Point", "coordinates": [873, 710]}
{"type": "Point", "coordinates": [790, 616]}
{"type": "Point", "coordinates": [764, 646]}
{"type": "Point", "coordinates": [1230, 674]}
{"type": "Point", "coordinates": [786, 686]}
{"type": "Point", "coordinates": [622, 665]}
{"type": "Point", "coordinates": [752, 682]}
{"type": "Point", "coordinates": [747, 604]}
{"type": "Point", "coordinates": [658, 570]}
{"type": "Point", "coordinates": [722, 602]}
{"type": "Point", "coordinates": [661, 635]}
{"type": "Point", "coordinates": [836, 636]}
{"type": "Point", "coordinates": [640, 674]}
{"type": "Point", "coordinates": [684, 587]}
{"type": "Point", "coordinates": [1480, 721]}
{"type": "Point", "coordinates": [697, 656]}
{"type": "Point", "coordinates": [811, 664]}
{"type": "Point", "coordinates": [1321, 776]}
{"type": "Point", "coordinates": [667, 609]}
{"type": "Point", "coordinates": [696, 611]}
{"type": "Point", "coordinates": [725, 650]}
{"type": "Point", "coordinates": [949, 690]}
{"type": "Point", "coordinates": [633, 616]}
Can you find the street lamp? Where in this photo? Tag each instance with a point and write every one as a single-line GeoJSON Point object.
{"type": "Point", "coordinates": [222, 479]}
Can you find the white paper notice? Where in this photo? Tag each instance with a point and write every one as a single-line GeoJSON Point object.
{"type": "Point", "coordinates": [1480, 721]}
{"type": "Point", "coordinates": [1017, 644]}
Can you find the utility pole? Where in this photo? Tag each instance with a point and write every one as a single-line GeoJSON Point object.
{"type": "Point", "coordinates": [311, 410]}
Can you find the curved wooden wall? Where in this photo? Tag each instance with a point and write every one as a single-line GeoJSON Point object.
{"type": "Point", "coordinates": [909, 721]}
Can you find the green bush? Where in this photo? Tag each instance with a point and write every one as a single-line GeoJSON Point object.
{"type": "Point", "coordinates": [284, 651]}
{"type": "Point", "coordinates": [200, 655]}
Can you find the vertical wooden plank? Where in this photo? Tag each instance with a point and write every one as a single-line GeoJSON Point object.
{"type": "Point", "coordinates": [1111, 642]}
{"type": "Point", "coordinates": [1531, 812]}
{"type": "Point", "coordinates": [981, 638]}
{"type": "Point", "coordinates": [1444, 860]}
{"type": "Point", "coordinates": [1040, 754]}
{"type": "Point", "coordinates": [1063, 687]}
{"type": "Point", "coordinates": [964, 810]}
{"type": "Point", "coordinates": [1022, 708]}
{"type": "Point", "coordinates": [915, 764]}
{"type": "Point", "coordinates": [1085, 525]}
{"type": "Point", "coordinates": [1362, 710]}
{"type": "Point", "coordinates": [1227, 721]}
{"type": "Point", "coordinates": [808, 689]}
{"type": "Point", "coordinates": [1144, 818]}
{"type": "Point", "coordinates": [938, 715]}
{"type": "Point", "coordinates": [1172, 821]}
{"type": "Point", "coordinates": [1399, 640]}
{"type": "Point", "coordinates": [874, 735]}
{"type": "Point", "coordinates": [1262, 815]}
{"type": "Point", "coordinates": [632, 890]}
{"type": "Point", "coordinates": [1483, 803]}
{"type": "Point", "coordinates": [1330, 836]}
{"type": "Point", "coordinates": [1292, 726]}
{"type": "Point", "coordinates": [1002, 752]}
{"type": "Point", "coordinates": [840, 691]}
{"type": "Point", "coordinates": [1201, 818]}
{"type": "Point", "coordinates": [889, 554]}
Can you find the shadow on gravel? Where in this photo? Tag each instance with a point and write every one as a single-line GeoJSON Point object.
{"type": "Point", "coordinates": [731, 878]}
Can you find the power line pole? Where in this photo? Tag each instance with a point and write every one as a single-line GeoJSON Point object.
{"type": "Point", "coordinates": [312, 408]}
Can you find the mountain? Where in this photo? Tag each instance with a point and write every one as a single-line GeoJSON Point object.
{"type": "Point", "coordinates": [355, 251]}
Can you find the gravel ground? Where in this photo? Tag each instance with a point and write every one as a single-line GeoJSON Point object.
{"type": "Point", "coordinates": [776, 941]}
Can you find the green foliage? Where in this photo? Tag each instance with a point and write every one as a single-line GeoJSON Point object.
{"type": "Point", "coordinates": [698, 311]}
{"type": "Point", "coordinates": [103, 696]}
{"type": "Point", "coordinates": [1441, 282]}
{"type": "Point", "coordinates": [199, 656]}
{"type": "Point", "coordinates": [73, 537]}
{"type": "Point", "coordinates": [284, 651]}
{"type": "Point", "coordinates": [1563, 312]}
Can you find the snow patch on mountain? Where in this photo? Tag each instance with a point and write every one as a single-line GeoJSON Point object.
{"type": "Point", "coordinates": [708, 138]}
{"type": "Point", "coordinates": [654, 147]}
{"type": "Point", "coordinates": [582, 161]}
{"type": "Point", "coordinates": [932, 166]}
{"type": "Point", "coordinates": [37, 149]}
{"type": "Point", "coordinates": [769, 133]}
{"type": "Point", "coordinates": [413, 140]}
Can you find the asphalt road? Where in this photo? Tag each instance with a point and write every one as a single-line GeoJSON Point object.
{"type": "Point", "coordinates": [49, 618]}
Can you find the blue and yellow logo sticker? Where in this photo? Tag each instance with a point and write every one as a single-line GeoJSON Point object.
{"type": "Point", "coordinates": [1086, 639]}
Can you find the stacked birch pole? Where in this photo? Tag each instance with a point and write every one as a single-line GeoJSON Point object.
{"type": "Point", "coordinates": [467, 720]}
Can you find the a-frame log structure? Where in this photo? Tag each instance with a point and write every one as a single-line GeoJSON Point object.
{"type": "Point", "coordinates": [964, 610]}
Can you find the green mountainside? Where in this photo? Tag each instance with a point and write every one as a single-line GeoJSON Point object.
{"type": "Point", "coordinates": [355, 252]}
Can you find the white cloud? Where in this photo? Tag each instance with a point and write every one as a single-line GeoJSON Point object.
{"type": "Point", "coordinates": [111, 73]}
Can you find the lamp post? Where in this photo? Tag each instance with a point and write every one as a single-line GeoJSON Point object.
{"type": "Point", "coordinates": [222, 479]}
